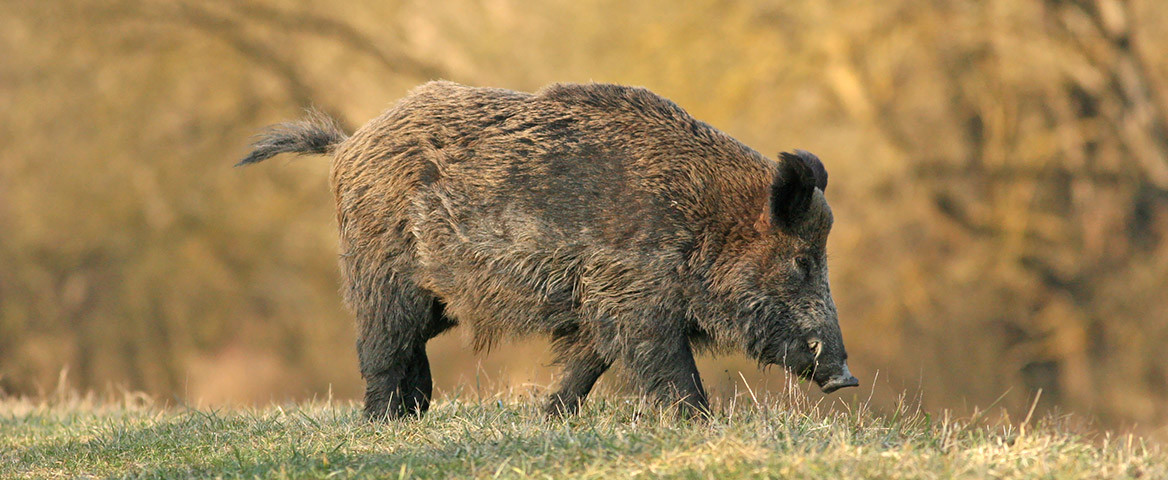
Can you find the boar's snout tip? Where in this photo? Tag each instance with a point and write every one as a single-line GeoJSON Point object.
{"type": "Point", "coordinates": [840, 382]}
{"type": "Point", "coordinates": [843, 379]}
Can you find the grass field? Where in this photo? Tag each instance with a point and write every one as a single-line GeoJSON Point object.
{"type": "Point", "coordinates": [506, 437]}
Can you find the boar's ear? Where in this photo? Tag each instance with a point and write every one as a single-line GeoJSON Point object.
{"type": "Point", "coordinates": [799, 174]}
{"type": "Point", "coordinates": [815, 165]}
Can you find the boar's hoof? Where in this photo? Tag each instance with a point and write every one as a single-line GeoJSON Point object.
{"type": "Point", "coordinates": [558, 406]}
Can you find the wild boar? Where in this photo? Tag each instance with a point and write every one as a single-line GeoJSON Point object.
{"type": "Point", "coordinates": [604, 217]}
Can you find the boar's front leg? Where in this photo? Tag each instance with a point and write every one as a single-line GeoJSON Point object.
{"type": "Point", "coordinates": [582, 367]}
{"type": "Point", "coordinates": [665, 368]}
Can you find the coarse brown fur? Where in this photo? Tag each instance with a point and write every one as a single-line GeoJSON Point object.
{"type": "Point", "coordinates": [604, 217]}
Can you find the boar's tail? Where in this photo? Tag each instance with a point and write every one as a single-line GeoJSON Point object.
{"type": "Point", "coordinates": [315, 134]}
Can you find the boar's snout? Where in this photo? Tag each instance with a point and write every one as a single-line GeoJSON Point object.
{"type": "Point", "coordinates": [841, 379]}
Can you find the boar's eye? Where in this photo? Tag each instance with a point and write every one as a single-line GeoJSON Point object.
{"type": "Point", "coordinates": [804, 264]}
{"type": "Point", "coordinates": [815, 346]}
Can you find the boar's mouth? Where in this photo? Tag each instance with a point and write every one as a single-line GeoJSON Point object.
{"type": "Point", "coordinates": [841, 379]}
{"type": "Point", "coordinates": [829, 377]}
{"type": "Point", "coordinates": [827, 381]}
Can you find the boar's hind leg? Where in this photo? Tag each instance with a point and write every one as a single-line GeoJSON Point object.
{"type": "Point", "coordinates": [394, 322]}
{"type": "Point", "coordinates": [666, 370]}
{"type": "Point", "coordinates": [417, 385]}
{"type": "Point", "coordinates": [582, 367]}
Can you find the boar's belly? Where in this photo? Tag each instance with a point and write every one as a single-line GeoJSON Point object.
{"type": "Point", "coordinates": [502, 270]}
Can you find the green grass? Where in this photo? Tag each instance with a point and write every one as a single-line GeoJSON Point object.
{"type": "Point", "coordinates": [508, 438]}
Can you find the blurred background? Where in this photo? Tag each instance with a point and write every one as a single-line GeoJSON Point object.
{"type": "Point", "coordinates": [999, 175]}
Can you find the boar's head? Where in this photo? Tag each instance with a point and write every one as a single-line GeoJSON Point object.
{"type": "Point", "coordinates": [782, 308]}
